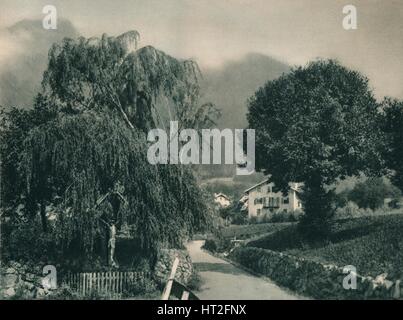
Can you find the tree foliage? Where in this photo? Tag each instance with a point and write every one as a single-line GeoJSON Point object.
{"type": "Point", "coordinates": [66, 156]}
{"type": "Point", "coordinates": [85, 142]}
{"type": "Point", "coordinates": [372, 193]}
{"type": "Point", "coordinates": [142, 84]}
{"type": "Point", "coordinates": [393, 128]}
{"type": "Point", "coordinates": [314, 125]}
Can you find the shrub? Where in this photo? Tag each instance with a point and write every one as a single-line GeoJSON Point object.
{"type": "Point", "coordinates": [372, 192]}
{"type": "Point", "coordinates": [284, 216]}
{"type": "Point", "coordinates": [239, 218]}
{"type": "Point", "coordinates": [305, 276]}
{"type": "Point", "coordinates": [143, 286]}
{"type": "Point", "coordinates": [195, 282]}
{"type": "Point", "coordinates": [210, 245]}
{"type": "Point", "coordinates": [351, 210]}
{"type": "Point", "coordinates": [253, 220]}
{"type": "Point", "coordinates": [65, 292]}
{"type": "Point", "coordinates": [233, 214]}
{"type": "Point", "coordinates": [251, 230]}
{"type": "Point", "coordinates": [218, 244]}
{"type": "Point", "coordinates": [24, 241]}
{"type": "Point", "coordinates": [280, 216]}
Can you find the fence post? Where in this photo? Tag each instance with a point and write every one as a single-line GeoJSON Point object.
{"type": "Point", "coordinates": [121, 282]}
{"type": "Point", "coordinates": [185, 295]}
{"type": "Point", "coordinates": [168, 287]}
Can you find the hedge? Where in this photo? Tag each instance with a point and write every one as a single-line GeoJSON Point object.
{"type": "Point", "coordinates": [310, 278]}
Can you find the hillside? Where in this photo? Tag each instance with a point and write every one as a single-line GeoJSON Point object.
{"type": "Point", "coordinates": [230, 86]}
{"type": "Point", "coordinates": [373, 244]}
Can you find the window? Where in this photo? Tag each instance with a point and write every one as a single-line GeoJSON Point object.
{"type": "Point", "coordinates": [258, 211]}
{"type": "Point", "coordinates": [286, 200]}
{"type": "Point", "coordinates": [258, 189]}
{"type": "Point", "coordinates": [272, 202]}
{"type": "Point", "coordinates": [258, 201]}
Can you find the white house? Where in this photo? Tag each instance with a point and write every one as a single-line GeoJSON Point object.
{"type": "Point", "coordinates": [221, 200]}
{"type": "Point", "coordinates": [262, 199]}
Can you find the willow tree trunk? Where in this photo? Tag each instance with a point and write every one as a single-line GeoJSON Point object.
{"type": "Point", "coordinates": [43, 217]}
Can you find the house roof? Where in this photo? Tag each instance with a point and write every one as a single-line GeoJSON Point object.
{"type": "Point", "coordinates": [256, 185]}
{"type": "Point", "coordinates": [244, 198]}
{"type": "Point", "coordinates": [265, 181]}
{"type": "Point", "coordinates": [221, 195]}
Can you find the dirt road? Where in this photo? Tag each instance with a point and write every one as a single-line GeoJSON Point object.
{"type": "Point", "coordinates": [222, 280]}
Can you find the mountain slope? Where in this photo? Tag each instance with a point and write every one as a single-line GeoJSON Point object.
{"type": "Point", "coordinates": [230, 86]}
{"type": "Point", "coordinates": [21, 73]}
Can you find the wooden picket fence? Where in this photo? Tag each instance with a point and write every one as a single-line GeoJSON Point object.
{"type": "Point", "coordinates": [111, 282]}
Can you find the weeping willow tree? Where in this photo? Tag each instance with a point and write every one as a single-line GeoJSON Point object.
{"type": "Point", "coordinates": [88, 157]}
{"type": "Point", "coordinates": [91, 155]}
{"type": "Point", "coordinates": [145, 86]}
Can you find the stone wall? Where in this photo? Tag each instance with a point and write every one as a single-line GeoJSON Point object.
{"type": "Point", "coordinates": [314, 279]}
{"type": "Point", "coordinates": [164, 264]}
{"type": "Point", "coordinates": [19, 283]}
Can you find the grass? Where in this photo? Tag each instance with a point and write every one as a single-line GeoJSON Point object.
{"type": "Point", "coordinates": [247, 231]}
{"type": "Point", "coordinates": [221, 241]}
{"type": "Point", "coordinates": [374, 245]}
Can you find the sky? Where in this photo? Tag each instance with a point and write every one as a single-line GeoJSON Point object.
{"type": "Point", "coordinates": [214, 32]}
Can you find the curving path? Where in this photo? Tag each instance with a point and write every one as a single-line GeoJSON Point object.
{"type": "Point", "coordinates": [224, 281]}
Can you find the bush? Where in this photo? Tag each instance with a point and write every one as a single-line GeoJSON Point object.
{"type": "Point", "coordinates": [195, 282]}
{"type": "Point", "coordinates": [253, 220]}
{"type": "Point", "coordinates": [251, 230]}
{"type": "Point", "coordinates": [284, 216]}
{"type": "Point", "coordinates": [218, 244]}
{"type": "Point", "coordinates": [305, 276]}
{"type": "Point", "coordinates": [25, 242]}
{"type": "Point", "coordinates": [239, 218]}
{"type": "Point", "coordinates": [351, 210]}
{"type": "Point", "coordinates": [64, 292]}
{"type": "Point", "coordinates": [143, 286]}
{"type": "Point", "coordinates": [210, 245]}
{"type": "Point", "coordinates": [372, 192]}
{"type": "Point", "coordinates": [234, 215]}
{"type": "Point", "coordinates": [280, 216]}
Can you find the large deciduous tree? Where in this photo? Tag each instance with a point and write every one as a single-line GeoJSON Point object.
{"type": "Point", "coordinates": [314, 125]}
{"type": "Point", "coordinates": [393, 128]}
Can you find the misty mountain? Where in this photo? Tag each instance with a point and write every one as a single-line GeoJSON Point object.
{"type": "Point", "coordinates": [21, 75]}
{"type": "Point", "coordinates": [230, 86]}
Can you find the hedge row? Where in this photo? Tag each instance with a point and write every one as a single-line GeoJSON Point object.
{"type": "Point", "coordinates": [310, 278]}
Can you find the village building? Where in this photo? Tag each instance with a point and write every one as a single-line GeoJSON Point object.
{"type": "Point", "coordinates": [221, 200]}
{"type": "Point", "coordinates": [262, 199]}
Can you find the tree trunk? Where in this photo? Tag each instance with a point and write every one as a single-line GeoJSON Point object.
{"type": "Point", "coordinates": [317, 202]}
{"type": "Point", "coordinates": [43, 217]}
